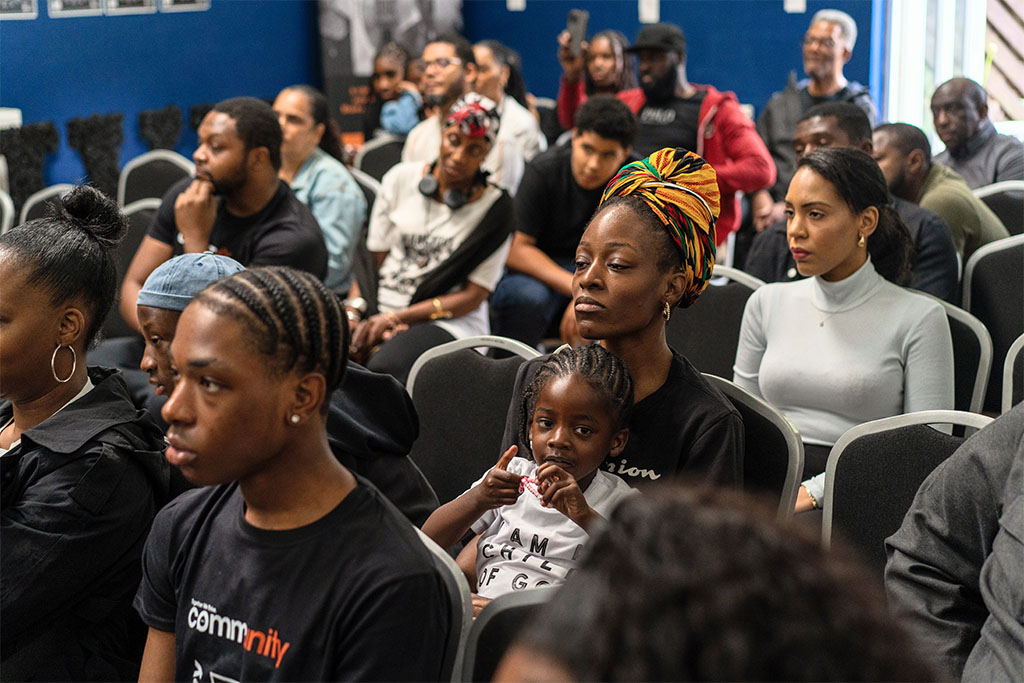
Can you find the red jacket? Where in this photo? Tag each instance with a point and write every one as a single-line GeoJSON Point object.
{"type": "Point", "coordinates": [729, 142]}
{"type": "Point", "coordinates": [572, 95]}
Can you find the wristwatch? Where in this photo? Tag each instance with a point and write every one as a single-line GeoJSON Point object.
{"type": "Point", "coordinates": [358, 303]}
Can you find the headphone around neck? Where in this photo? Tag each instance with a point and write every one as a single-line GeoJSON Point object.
{"type": "Point", "coordinates": [454, 199]}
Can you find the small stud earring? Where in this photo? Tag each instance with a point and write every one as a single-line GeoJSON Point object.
{"type": "Point", "coordinates": [295, 419]}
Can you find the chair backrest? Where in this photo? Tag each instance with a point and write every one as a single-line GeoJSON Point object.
{"type": "Point", "coordinates": [6, 212]}
{"type": "Point", "coordinates": [496, 627]}
{"type": "Point", "coordinates": [708, 332]}
{"type": "Point", "coordinates": [364, 266]}
{"type": "Point", "coordinates": [139, 214]}
{"type": "Point", "coordinates": [773, 459]}
{"type": "Point", "coordinates": [972, 357]}
{"type": "Point", "coordinates": [379, 154]}
{"type": "Point", "coordinates": [38, 203]}
{"type": "Point", "coordinates": [461, 607]}
{"type": "Point", "coordinates": [151, 175]}
{"type": "Point", "coordinates": [874, 471]}
{"type": "Point", "coordinates": [1006, 199]}
{"type": "Point", "coordinates": [462, 398]}
{"type": "Point", "coordinates": [993, 292]}
{"type": "Point", "coordinates": [1013, 375]}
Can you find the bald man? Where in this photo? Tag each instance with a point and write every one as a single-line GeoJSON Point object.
{"type": "Point", "coordinates": [973, 147]}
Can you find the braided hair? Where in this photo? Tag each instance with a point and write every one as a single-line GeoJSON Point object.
{"type": "Point", "coordinates": [292, 316]}
{"type": "Point", "coordinates": [599, 367]}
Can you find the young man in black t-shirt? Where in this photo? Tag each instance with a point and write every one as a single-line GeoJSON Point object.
{"type": "Point", "coordinates": [558, 195]}
{"type": "Point", "coordinates": [283, 565]}
{"type": "Point", "coordinates": [235, 206]}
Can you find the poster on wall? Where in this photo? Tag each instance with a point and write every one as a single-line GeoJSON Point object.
{"type": "Point", "coordinates": [75, 8]}
{"type": "Point", "coordinates": [131, 6]}
{"type": "Point", "coordinates": [351, 32]}
{"type": "Point", "coordinates": [184, 5]}
{"type": "Point", "coordinates": [18, 9]}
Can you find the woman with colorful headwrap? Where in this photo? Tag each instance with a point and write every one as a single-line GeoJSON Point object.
{"type": "Point", "coordinates": [849, 344]}
{"type": "Point", "coordinates": [648, 250]}
{"type": "Point", "coordinates": [439, 234]}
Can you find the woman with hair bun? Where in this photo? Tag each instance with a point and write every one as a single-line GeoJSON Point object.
{"type": "Point", "coordinates": [849, 344]}
{"type": "Point", "coordinates": [649, 249]}
{"type": "Point", "coordinates": [82, 472]}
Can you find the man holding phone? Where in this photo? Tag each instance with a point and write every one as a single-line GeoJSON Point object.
{"type": "Point", "coordinates": [677, 113]}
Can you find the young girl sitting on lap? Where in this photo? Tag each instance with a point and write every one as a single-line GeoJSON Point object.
{"type": "Point", "coordinates": [533, 516]}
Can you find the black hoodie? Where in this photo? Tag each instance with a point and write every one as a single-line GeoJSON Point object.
{"type": "Point", "coordinates": [78, 496]}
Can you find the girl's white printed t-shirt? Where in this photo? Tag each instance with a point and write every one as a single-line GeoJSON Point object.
{"type": "Point", "coordinates": [525, 545]}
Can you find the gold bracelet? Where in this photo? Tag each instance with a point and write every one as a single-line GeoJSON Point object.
{"type": "Point", "coordinates": [814, 501]}
{"type": "Point", "coordinates": [439, 312]}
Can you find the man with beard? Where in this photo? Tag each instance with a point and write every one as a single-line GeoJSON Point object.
{"type": "Point", "coordinates": [449, 72]}
{"type": "Point", "coordinates": [973, 147]}
{"type": "Point", "coordinates": [677, 113]}
{"type": "Point", "coordinates": [905, 157]}
{"type": "Point", "coordinates": [235, 206]}
{"type": "Point", "coordinates": [827, 47]}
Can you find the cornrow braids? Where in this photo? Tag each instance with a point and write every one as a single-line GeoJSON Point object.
{"type": "Point", "coordinates": [292, 316]}
{"type": "Point", "coordinates": [593, 363]}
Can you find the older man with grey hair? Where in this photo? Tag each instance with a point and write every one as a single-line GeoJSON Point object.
{"type": "Point", "coordinates": [827, 47]}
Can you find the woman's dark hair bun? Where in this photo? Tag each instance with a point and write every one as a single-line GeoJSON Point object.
{"type": "Point", "coordinates": [94, 212]}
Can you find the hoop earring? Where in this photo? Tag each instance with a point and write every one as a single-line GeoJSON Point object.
{"type": "Point", "coordinates": [53, 364]}
{"type": "Point", "coordinates": [666, 311]}
{"type": "Point", "coordinates": [861, 242]}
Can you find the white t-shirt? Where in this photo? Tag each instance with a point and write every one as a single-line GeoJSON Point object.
{"type": "Point", "coordinates": [525, 545]}
{"type": "Point", "coordinates": [418, 234]}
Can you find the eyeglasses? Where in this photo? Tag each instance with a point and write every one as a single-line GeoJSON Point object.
{"type": "Point", "coordinates": [811, 41]}
{"type": "Point", "coordinates": [441, 63]}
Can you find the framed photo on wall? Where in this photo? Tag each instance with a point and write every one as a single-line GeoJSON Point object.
{"type": "Point", "coordinates": [18, 9]}
{"type": "Point", "coordinates": [184, 5]}
{"type": "Point", "coordinates": [60, 9]}
{"type": "Point", "coordinates": [130, 6]}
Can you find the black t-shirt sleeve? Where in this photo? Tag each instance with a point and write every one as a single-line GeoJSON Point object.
{"type": "Point", "coordinates": [531, 202]}
{"type": "Point", "coordinates": [717, 451]}
{"type": "Point", "coordinates": [156, 600]}
{"type": "Point", "coordinates": [375, 645]}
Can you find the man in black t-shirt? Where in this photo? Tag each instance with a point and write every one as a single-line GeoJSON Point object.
{"type": "Point", "coordinates": [235, 206]}
{"type": "Point", "coordinates": [560, 191]}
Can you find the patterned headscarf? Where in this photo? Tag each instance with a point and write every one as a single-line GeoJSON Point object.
{"type": "Point", "coordinates": [682, 191]}
{"type": "Point", "coordinates": [475, 115]}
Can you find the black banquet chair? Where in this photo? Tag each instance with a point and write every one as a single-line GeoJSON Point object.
{"type": "Point", "coordinates": [151, 175]}
{"type": "Point", "coordinates": [874, 471]}
{"type": "Point", "coordinates": [462, 398]}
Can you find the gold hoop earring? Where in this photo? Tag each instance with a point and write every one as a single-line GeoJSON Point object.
{"type": "Point", "coordinates": [666, 310]}
{"type": "Point", "coordinates": [861, 242]}
{"type": "Point", "coordinates": [53, 364]}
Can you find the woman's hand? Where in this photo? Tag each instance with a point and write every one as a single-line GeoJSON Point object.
{"type": "Point", "coordinates": [560, 490]}
{"type": "Point", "coordinates": [374, 330]}
{"type": "Point", "coordinates": [572, 64]}
{"type": "Point", "coordinates": [499, 487]}
{"type": "Point", "coordinates": [479, 602]}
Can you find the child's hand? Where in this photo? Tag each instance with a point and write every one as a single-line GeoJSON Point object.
{"type": "Point", "coordinates": [499, 487]}
{"type": "Point", "coordinates": [560, 490]}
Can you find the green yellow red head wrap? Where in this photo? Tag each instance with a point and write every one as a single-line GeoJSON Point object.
{"type": "Point", "coordinates": [682, 191]}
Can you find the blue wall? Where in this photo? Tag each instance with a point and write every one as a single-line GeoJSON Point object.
{"type": "Point", "coordinates": [747, 46]}
{"type": "Point", "coordinates": [58, 69]}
